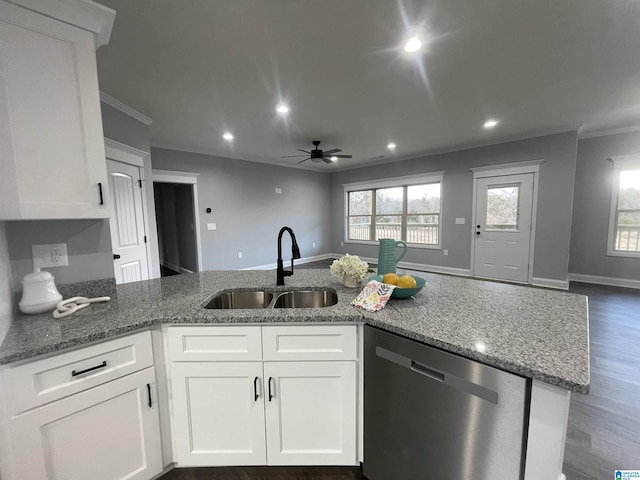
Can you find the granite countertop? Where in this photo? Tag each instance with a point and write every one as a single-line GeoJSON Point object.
{"type": "Point", "coordinates": [536, 333]}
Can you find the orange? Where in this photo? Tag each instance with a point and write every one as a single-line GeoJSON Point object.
{"type": "Point", "coordinates": [390, 278]}
{"type": "Point", "coordinates": [406, 281]}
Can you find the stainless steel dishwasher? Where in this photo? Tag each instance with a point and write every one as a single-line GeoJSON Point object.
{"type": "Point", "coordinates": [429, 414]}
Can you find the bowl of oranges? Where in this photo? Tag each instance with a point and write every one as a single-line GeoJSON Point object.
{"type": "Point", "coordinates": [407, 285]}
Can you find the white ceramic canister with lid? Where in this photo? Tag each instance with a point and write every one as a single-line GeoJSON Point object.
{"type": "Point", "coordinates": [39, 293]}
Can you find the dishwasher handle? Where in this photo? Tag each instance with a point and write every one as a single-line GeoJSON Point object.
{"type": "Point", "coordinates": [426, 371]}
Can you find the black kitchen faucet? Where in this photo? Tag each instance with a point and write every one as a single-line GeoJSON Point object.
{"type": "Point", "coordinates": [295, 253]}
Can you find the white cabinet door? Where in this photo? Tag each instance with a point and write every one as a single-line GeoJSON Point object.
{"type": "Point", "coordinates": [105, 433]}
{"type": "Point", "coordinates": [51, 140]}
{"type": "Point", "coordinates": [218, 413]}
{"type": "Point", "coordinates": [311, 413]}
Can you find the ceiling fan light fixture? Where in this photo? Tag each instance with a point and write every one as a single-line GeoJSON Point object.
{"type": "Point", "coordinates": [227, 136]}
{"type": "Point", "coordinates": [413, 45]}
{"type": "Point", "coordinates": [391, 146]}
{"type": "Point", "coordinates": [282, 109]}
{"type": "Point", "coordinates": [491, 123]}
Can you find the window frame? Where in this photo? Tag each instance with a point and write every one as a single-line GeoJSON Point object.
{"type": "Point", "coordinates": [404, 181]}
{"type": "Point", "coordinates": [620, 164]}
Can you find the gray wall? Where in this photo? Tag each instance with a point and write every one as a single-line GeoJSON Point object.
{"type": "Point", "coordinates": [88, 248]}
{"type": "Point", "coordinates": [6, 289]}
{"type": "Point", "coordinates": [122, 128]}
{"type": "Point", "coordinates": [555, 200]}
{"type": "Point", "coordinates": [247, 211]}
{"type": "Point", "coordinates": [591, 207]}
{"type": "Point", "coordinates": [176, 225]}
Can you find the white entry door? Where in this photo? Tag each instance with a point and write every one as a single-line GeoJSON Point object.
{"type": "Point", "coordinates": [502, 234]}
{"type": "Point", "coordinates": [127, 223]}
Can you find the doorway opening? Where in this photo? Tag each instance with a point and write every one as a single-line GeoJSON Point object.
{"type": "Point", "coordinates": [177, 222]}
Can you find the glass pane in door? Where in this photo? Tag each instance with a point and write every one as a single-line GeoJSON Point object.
{"type": "Point", "coordinates": [502, 208]}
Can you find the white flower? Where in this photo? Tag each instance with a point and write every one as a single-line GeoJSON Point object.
{"type": "Point", "coordinates": [349, 265]}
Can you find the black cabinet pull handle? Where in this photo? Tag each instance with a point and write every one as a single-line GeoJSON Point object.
{"type": "Point", "coordinates": [100, 190]}
{"type": "Point", "coordinates": [477, 226]}
{"type": "Point", "coordinates": [255, 389]}
{"type": "Point", "coordinates": [477, 233]}
{"type": "Point", "coordinates": [270, 393]}
{"type": "Point", "coordinates": [149, 402]}
{"type": "Point", "coordinates": [116, 256]}
{"type": "Point", "coordinates": [75, 373]}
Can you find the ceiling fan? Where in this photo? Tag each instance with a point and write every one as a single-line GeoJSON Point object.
{"type": "Point", "coordinates": [317, 155]}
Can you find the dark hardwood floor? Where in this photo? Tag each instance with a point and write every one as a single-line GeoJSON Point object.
{"type": "Point", "coordinates": [265, 473]}
{"type": "Point", "coordinates": [604, 426]}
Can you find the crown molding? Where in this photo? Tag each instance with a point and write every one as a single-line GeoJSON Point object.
{"type": "Point", "coordinates": [615, 131]}
{"type": "Point", "coordinates": [127, 110]}
{"type": "Point", "coordinates": [88, 15]}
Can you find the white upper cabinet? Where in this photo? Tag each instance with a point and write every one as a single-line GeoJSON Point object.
{"type": "Point", "coordinates": [51, 140]}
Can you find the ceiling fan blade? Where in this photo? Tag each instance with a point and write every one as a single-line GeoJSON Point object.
{"type": "Point", "coordinates": [292, 156]}
{"type": "Point", "coordinates": [303, 160]}
{"type": "Point", "coordinates": [326, 160]}
{"type": "Point", "coordinates": [342, 156]}
{"type": "Point", "coordinates": [333, 150]}
{"type": "Point", "coordinates": [300, 150]}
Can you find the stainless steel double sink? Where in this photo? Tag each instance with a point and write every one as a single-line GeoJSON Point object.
{"type": "Point", "coordinates": [236, 299]}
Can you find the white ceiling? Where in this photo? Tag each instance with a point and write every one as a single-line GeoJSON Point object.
{"type": "Point", "coordinates": [198, 68]}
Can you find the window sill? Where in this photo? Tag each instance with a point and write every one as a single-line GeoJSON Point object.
{"type": "Point", "coordinates": [623, 254]}
{"type": "Point", "coordinates": [409, 245]}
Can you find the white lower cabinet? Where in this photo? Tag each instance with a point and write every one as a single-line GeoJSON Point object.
{"type": "Point", "coordinates": [218, 416]}
{"type": "Point", "coordinates": [110, 432]}
{"type": "Point", "coordinates": [266, 413]}
{"type": "Point", "coordinates": [311, 418]}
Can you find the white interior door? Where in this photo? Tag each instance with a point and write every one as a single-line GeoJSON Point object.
{"type": "Point", "coordinates": [127, 223]}
{"type": "Point", "coordinates": [503, 217]}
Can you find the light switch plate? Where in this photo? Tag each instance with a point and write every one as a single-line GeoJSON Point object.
{"type": "Point", "coordinates": [50, 255]}
{"type": "Point", "coordinates": [211, 226]}
{"type": "Point", "coordinates": [460, 221]}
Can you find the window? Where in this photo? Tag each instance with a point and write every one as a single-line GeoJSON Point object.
{"type": "Point", "coordinates": [404, 208]}
{"type": "Point", "coordinates": [624, 221]}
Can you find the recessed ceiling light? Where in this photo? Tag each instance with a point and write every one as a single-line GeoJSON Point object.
{"type": "Point", "coordinates": [413, 45]}
{"type": "Point", "coordinates": [227, 136]}
{"type": "Point", "coordinates": [391, 146]}
{"type": "Point", "coordinates": [333, 158]}
{"type": "Point", "coordinates": [282, 108]}
{"type": "Point", "coordinates": [490, 123]}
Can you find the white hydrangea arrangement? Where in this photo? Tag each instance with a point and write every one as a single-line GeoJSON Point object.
{"type": "Point", "coordinates": [349, 265]}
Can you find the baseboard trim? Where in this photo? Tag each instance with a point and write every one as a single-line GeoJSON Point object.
{"type": "Point", "coordinates": [458, 272]}
{"type": "Point", "coordinates": [550, 283]}
{"type": "Point", "coordinates": [176, 268]}
{"type": "Point", "coordinates": [300, 261]}
{"type": "Point", "coordinates": [615, 282]}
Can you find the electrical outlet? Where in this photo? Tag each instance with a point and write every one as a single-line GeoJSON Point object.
{"type": "Point", "coordinates": [239, 254]}
{"type": "Point", "coordinates": [313, 245]}
{"type": "Point", "coordinates": [211, 226]}
{"type": "Point", "coordinates": [446, 252]}
{"type": "Point", "coordinates": [50, 255]}
{"type": "Point", "coordinates": [342, 244]}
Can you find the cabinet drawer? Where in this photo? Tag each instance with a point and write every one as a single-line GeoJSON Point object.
{"type": "Point", "coordinates": [215, 343]}
{"type": "Point", "coordinates": [317, 342]}
{"type": "Point", "coordinates": [42, 381]}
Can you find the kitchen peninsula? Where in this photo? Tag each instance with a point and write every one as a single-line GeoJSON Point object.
{"type": "Point", "coordinates": [534, 333]}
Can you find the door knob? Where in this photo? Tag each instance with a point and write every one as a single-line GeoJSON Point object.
{"type": "Point", "coordinates": [116, 256]}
